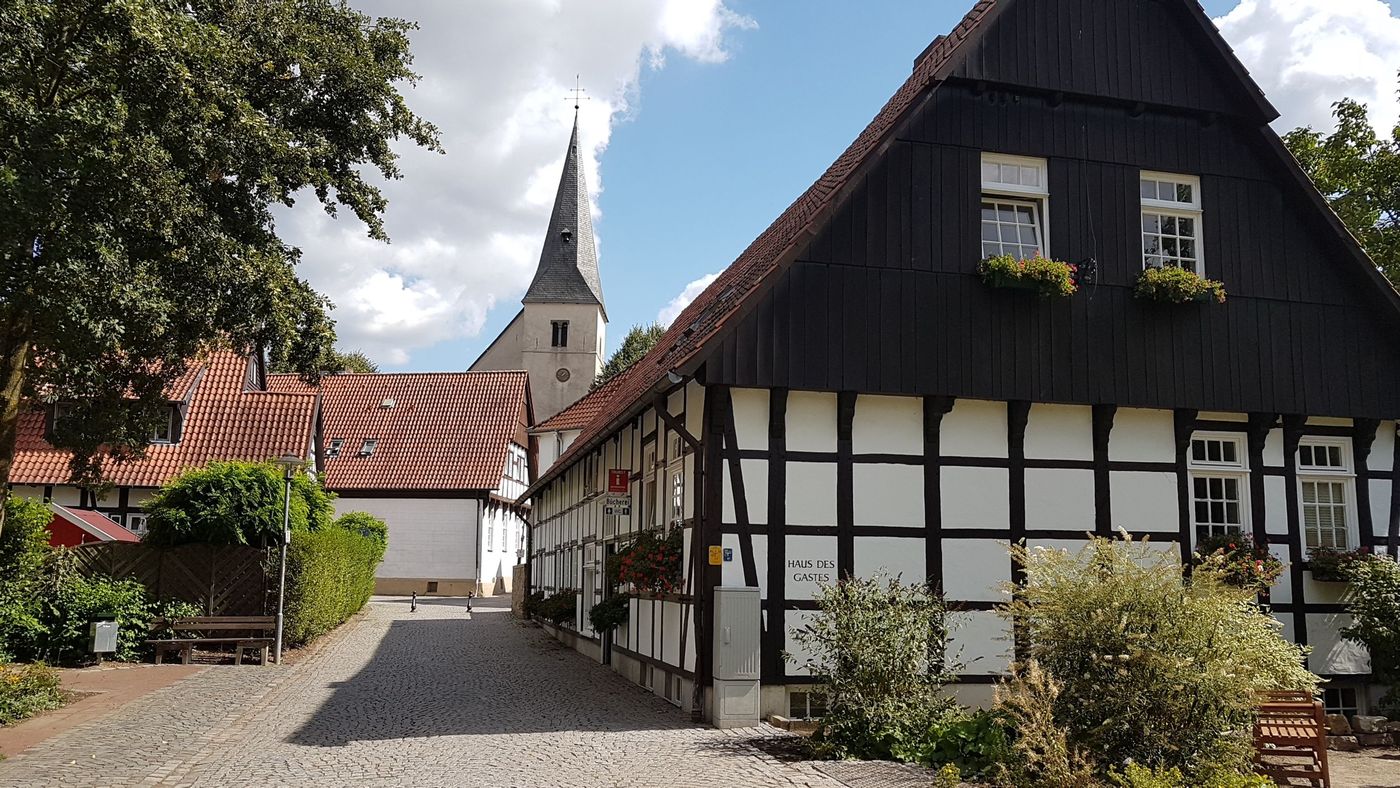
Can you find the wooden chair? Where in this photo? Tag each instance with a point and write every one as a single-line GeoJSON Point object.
{"type": "Point", "coordinates": [1290, 738]}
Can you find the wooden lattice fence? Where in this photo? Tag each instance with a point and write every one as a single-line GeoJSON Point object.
{"type": "Point", "coordinates": [225, 580]}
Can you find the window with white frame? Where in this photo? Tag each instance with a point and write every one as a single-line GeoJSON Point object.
{"type": "Point", "coordinates": [164, 431]}
{"type": "Point", "coordinates": [1340, 700]}
{"type": "Point", "coordinates": [678, 493]}
{"type": "Point", "coordinates": [1171, 221]}
{"type": "Point", "coordinates": [490, 538]}
{"type": "Point", "coordinates": [1015, 195]}
{"type": "Point", "coordinates": [136, 523]}
{"type": "Point", "coordinates": [1219, 484]}
{"type": "Point", "coordinates": [1325, 488]}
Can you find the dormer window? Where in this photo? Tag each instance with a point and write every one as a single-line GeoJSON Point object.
{"type": "Point", "coordinates": [1015, 195]}
{"type": "Point", "coordinates": [164, 431]}
{"type": "Point", "coordinates": [367, 448]}
{"type": "Point", "coordinates": [559, 333]}
{"type": "Point", "coordinates": [333, 448]}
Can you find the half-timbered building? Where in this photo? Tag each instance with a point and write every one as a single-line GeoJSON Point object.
{"type": "Point", "coordinates": [849, 396]}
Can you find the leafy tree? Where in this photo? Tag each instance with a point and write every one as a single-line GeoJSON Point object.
{"type": "Point", "coordinates": [143, 145]}
{"type": "Point", "coordinates": [234, 503]}
{"type": "Point", "coordinates": [24, 553]}
{"type": "Point", "coordinates": [335, 361]}
{"type": "Point", "coordinates": [1357, 172]}
{"type": "Point", "coordinates": [638, 341]}
{"type": "Point", "coordinates": [1375, 620]}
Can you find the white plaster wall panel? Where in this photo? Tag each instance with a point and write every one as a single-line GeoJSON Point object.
{"type": "Point", "coordinates": [140, 496]}
{"type": "Point", "coordinates": [974, 569]}
{"type": "Point", "coordinates": [689, 503]}
{"type": "Point", "coordinates": [888, 425]}
{"type": "Point", "coordinates": [1142, 435]}
{"type": "Point", "coordinates": [648, 421]}
{"type": "Point", "coordinates": [732, 572]}
{"type": "Point", "coordinates": [689, 641]}
{"type": "Point", "coordinates": [645, 638]}
{"type": "Point", "coordinates": [1318, 592]}
{"type": "Point", "coordinates": [1275, 505]}
{"type": "Point", "coordinates": [1331, 653]}
{"type": "Point", "coordinates": [809, 563]}
{"type": "Point", "coordinates": [1380, 506]}
{"type": "Point", "coordinates": [811, 422]}
{"type": "Point", "coordinates": [1215, 415]}
{"type": "Point", "coordinates": [64, 495]}
{"type": "Point", "coordinates": [27, 491]}
{"type": "Point", "coordinates": [1383, 448]}
{"type": "Point", "coordinates": [973, 428]}
{"type": "Point", "coordinates": [1328, 421]}
{"type": "Point", "coordinates": [811, 493]}
{"type": "Point", "coordinates": [1071, 546]}
{"type": "Point", "coordinates": [1273, 449]}
{"type": "Point", "coordinates": [1286, 630]}
{"type": "Point", "coordinates": [1282, 591]}
{"type": "Point", "coordinates": [670, 633]}
{"type": "Point", "coordinates": [981, 642]}
{"type": "Point", "coordinates": [1060, 432]}
{"type": "Point", "coordinates": [675, 402]}
{"type": "Point", "coordinates": [694, 408]}
{"type": "Point", "coordinates": [888, 494]}
{"type": "Point", "coordinates": [974, 497]}
{"type": "Point", "coordinates": [429, 538]}
{"type": "Point", "coordinates": [797, 664]}
{"type": "Point", "coordinates": [1059, 498]}
{"type": "Point", "coordinates": [1143, 501]}
{"type": "Point", "coordinates": [891, 556]}
{"type": "Point", "coordinates": [755, 473]}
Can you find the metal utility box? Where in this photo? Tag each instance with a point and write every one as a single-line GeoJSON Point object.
{"type": "Point", "coordinates": [104, 637]}
{"type": "Point", "coordinates": [738, 624]}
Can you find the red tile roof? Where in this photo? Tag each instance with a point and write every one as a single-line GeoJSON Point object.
{"type": "Point", "coordinates": [95, 523]}
{"type": "Point", "coordinates": [444, 431]}
{"type": "Point", "coordinates": [578, 415]}
{"type": "Point", "coordinates": [708, 313]}
{"type": "Point", "coordinates": [223, 422]}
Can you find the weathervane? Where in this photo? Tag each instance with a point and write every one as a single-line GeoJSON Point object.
{"type": "Point", "coordinates": [578, 93]}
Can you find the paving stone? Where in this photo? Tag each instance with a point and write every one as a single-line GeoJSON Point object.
{"type": "Point", "coordinates": [430, 698]}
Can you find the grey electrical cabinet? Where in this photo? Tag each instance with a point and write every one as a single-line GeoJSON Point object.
{"type": "Point", "coordinates": [737, 623]}
{"type": "Point", "coordinates": [104, 637]}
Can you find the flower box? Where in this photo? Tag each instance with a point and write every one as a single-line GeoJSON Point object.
{"type": "Point", "coordinates": [1330, 565]}
{"type": "Point", "coordinates": [1172, 285]}
{"type": "Point", "coordinates": [1239, 562]}
{"type": "Point", "coordinates": [1045, 277]}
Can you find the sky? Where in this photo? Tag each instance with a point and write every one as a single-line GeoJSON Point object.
{"type": "Point", "coordinates": [703, 120]}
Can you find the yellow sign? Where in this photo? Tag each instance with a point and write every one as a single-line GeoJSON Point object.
{"type": "Point", "coordinates": [716, 555]}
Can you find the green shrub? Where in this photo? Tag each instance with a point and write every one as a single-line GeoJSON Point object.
{"type": "Point", "coordinates": [1169, 284]}
{"type": "Point", "coordinates": [1238, 561]}
{"type": "Point", "coordinates": [1375, 622]}
{"type": "Point", "coordinates": [76, 601]}
{"type": "Point", "coordinates": [557, 608]}
{"type": "Point", "coordinates": [1048, 278]}
{"type": "Point", "coordinates": [974, 743]}
{"type": "Point", "coordinates": [1042, 754]}
{"type": "Point", "coordinates": [1137, 776]}
{"type": "Point", "coordinates": [533, 603]}
{"type": "Point", "coordinates": [330, 577]}
{"type": "Point", "coordinates": [1149, 667]}
{"type": "Point", "coordinates": [26, 690]}
{"type": "Point", "coordinates": [1331, 564]}
{"type": "Point", "coordinates": [610, 613]}
{"type": "Point", "coordinates": [878, 648]}
{"type": "Point", "coordinates": [234, 503]}
{"type": "Point", "coordinates": [24, 553]}
{"type": "Point", "coordinates": [366, 525]}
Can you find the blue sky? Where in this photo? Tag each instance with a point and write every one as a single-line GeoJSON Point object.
{"type": "Point", "coordinates": [704, 150]}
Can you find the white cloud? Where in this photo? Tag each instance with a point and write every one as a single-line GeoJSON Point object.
{"type": "Point", "coordinates": [1307, 54]}
{"type": "Point", "coordinates": [673, 310]}
{"type": "Point", "coordinates": [467, 226]}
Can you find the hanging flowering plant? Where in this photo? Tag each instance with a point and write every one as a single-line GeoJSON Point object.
{"type": "Point", "coordinates": [1048, 278]}
{"type": "Point", "coordinates": [1238, 561]}
{"type": "Point", "coordinates": [651, 563]}
{"type": "Point", "coordinates": [1330, 565]}
{"type": "Point", "coordinates": [1169, 284]}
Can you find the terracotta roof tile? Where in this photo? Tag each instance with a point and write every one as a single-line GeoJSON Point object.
{"type": "Point", "coordinates": [707, 314]}
{"type": "Point", "coordinates": [578, 415]}
{"type": "Point", "coordinates": [223, 422]}
{"type": "Point", "coordinates": [444, 431]}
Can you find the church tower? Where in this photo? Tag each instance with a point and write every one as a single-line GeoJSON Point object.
{"type": "Point", "coordinates": [559, 336]}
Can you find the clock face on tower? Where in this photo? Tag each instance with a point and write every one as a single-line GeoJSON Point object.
{"type": "Point", "coordinates": [562, 375]}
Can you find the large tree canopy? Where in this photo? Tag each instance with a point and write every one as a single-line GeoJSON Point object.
{"type": "Point", "coordinates": [1359, 174]}
{"type": "Point", "coordinates": [638, 341]}
{"type": "Point", "coordinates": [143, 146]}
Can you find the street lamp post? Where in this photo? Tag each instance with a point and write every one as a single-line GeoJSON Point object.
{"type": "Point", "coordinates": [290, 463]}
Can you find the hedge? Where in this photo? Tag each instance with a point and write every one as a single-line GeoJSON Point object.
{"type": "Point", "coordinates": [330, 575]}
{"type": "Point", "coordinates": [235, 503]}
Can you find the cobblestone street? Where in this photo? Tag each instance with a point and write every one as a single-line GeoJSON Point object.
{"type": "Point", "coordinates": [428, 698]}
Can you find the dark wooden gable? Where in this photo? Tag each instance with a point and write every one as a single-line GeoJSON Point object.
{"type": "Point", "coordinates": [885, 296]}
{"type": "Point", "coordinates": [1149, 51]}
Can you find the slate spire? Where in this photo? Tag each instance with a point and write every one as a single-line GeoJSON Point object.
{"type": "Point", "coordinates": [568, 269]}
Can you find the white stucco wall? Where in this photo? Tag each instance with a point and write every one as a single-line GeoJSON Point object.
{"type": "Point", "coordinates": [429, 538]}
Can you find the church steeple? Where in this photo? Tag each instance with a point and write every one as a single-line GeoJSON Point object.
{"type": "Point", "coordinates": [568, 269]}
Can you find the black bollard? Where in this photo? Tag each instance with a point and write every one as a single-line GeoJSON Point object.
{"type": "Point", "coordinates": [413, 605]}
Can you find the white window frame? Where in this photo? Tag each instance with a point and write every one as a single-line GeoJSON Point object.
{"type": "Point", "coordinates": [1221, 469]}
{"type": "Point", "coordinates": [1345, 474]}
{"type": "Point", "coordinates": [1174, 208]}
{"type": "Point", "coordinates": [333, 448]}
{"type": "Point", "coordinates": [1037, 197]}
{"type": "Point", "coordinates": [135, 523]}
{"type": "Point", "coordinates": [169, 429]}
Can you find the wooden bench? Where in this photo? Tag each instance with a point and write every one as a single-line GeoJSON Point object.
{"type": "Point", "coordinates": [1291, 732]}
{"type": "Point", "coordinates": [242, 632]}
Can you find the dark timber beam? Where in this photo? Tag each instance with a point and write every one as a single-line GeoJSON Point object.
{"type": "Point", "coordinates": [663, 412]}
{"type": "Point", "coordinates": [1183, 422]}
{"type": "Point", "coordinates": [1103, 499]}
{"type": "Point", "coordinates": [1292, 434]}
{"type": "Point", "coordinates": [774, 667]}
{"type": "Point", "coordinates": [1257, 434]}
{"type": "Point", "coordinates": [935, 408]}
{"type": "Point", "coordinates": [1363, 435]}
